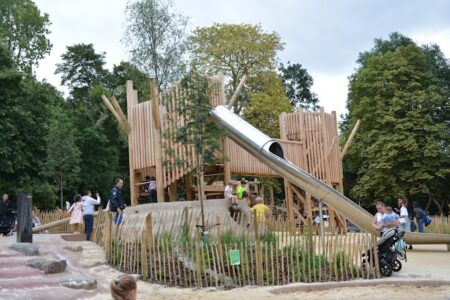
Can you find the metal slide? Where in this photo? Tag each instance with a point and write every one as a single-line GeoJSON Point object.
{"type": "Point", "coordinates": [269, 152]}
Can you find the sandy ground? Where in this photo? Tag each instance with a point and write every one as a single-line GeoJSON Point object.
{"type": "Point", "coordinates": [425, 262]}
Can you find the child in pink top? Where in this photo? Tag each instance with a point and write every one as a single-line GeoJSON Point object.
{"type": "Point", "coordinates": [77, 213]}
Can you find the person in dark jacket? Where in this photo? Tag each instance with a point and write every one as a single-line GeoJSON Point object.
{"type": "Point", "coordinates": [117, 205]}
{"type": "Point", "coordinates": [6, 217]}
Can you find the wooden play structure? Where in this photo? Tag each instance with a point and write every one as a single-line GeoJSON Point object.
{"type": "Point", "coordinates": [308, 139]}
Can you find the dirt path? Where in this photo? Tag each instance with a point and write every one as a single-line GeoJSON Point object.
{"type": "Point", "coordinates": [425, 263]}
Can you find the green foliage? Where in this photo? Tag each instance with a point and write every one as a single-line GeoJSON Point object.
{"type": "Point", "coordinates": [156, 38]}
{"type": "Point", "coordinates": [402, 146]}
{"type": "Point", "coordinates": [200, 130]}
{"type": "Point", "coordinates": [235, 50]}
{"type": "Point", "coordinates": [298, 83]}
{"type": "Point", "coordinates": [81, 69]}
{"type": "Point", "coordinates": [62, 164]}
{"type": "Point", "coordinates": [24, 30]}
{"type": "Point", "coordinates": [267, 101]}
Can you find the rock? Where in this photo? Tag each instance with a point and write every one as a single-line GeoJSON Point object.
{"type": "Point", "coordinates": [85, 283]}
{"type": "Point", "coordinates": [48, 266]}
{"type": "Point", "coordinates": [27, 249]}
{"type": "Point", "coordinates": [74, 248]}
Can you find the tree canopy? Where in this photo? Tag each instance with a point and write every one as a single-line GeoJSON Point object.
{"type": "Point", "coordinates": [402, 146]}
{"type": "Point", "coordinates": [24, 31]}
{"type": "Point", "coordinates": [156, 38]}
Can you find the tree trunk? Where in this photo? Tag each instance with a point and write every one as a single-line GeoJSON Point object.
{"type": "Point", "coordinates": [430, 198]}
{"type": "Point", "coordinates": [440, 206]}
{"type": "Point", "coordinates": [61, 192]}
{"type": "Point", "coordinates": [200, 190]}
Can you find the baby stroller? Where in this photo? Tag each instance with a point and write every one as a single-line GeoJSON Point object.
{"type": "Point", "coordinates": [7, 222]}
{"type": "Point", "coordinates": [389, 254]}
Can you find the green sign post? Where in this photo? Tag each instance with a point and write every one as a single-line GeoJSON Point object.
{"type": "Point", "coordinates": [235, 257]}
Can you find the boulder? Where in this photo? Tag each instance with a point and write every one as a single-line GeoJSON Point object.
{"type": "Point", "coordinates": [48, 266]}
{"type": "Point", "coordinates": [85, 283]}
{"type": "Point", "coordinates": [27, 249]}
{"type": "Point", "coordinates": [74, 248]}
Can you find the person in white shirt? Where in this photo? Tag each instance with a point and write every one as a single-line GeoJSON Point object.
{"type": "Point", "coordinates": [378, 219]}
{"type": "Point", "coordinates": [230, 195]}
{"type": "Point", "coordinates": [405, 223]}
{"type": "Point", "coordinates": [88, 212]}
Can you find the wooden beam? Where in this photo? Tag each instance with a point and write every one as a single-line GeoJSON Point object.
{"type": "Point", "coordinates": [236, 92]}
{"type": "Point", "coordinates": [124, 127]}
{"type": "Point", "coordinates": [157, 142]}
{"type": "Point", "coordinates": [131, 102]}
{"type": "Point", "coordinates": [350, 138]}
{"type": "Point", "coordinates": [119, 111]}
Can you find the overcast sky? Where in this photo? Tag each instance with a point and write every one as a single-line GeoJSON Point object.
{"type": "Point", "coordinates": [323, 36]}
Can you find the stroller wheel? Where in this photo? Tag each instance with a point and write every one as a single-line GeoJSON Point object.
{"type": "Point", "coordinates": [385, 269]}
{"type": "Point", "coordinates": [396, 265]}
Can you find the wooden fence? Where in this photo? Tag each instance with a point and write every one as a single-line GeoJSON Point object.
{"type": "Point", "coordinates": [268, 253]}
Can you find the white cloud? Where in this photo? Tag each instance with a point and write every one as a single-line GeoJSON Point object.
{"type": "Point", "coordinates": [332, 90]}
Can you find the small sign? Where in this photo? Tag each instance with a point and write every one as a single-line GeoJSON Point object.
{"type": "Point", "coordinates": [235, 257]}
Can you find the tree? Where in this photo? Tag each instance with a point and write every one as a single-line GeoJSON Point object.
{"type": "Point", "coordinates": [298, 83]}
{"type": "Point", "coordinates": [200, 131]}
{"type": "Point", "coordinates": [62, 165]}
{"type": "Point", "coordinates": [402, 146]}
{"type": "Point", "coordinates": [267, 100]}
{"type": "Point", "coordinates": [82, 68]}
{"type": "Point", "coordinates": [235, 50]}
{"type": "Point", "coordinates": [25, 107]}
{"type": "Point", "coordinates": [156, 37]}
{"type": "Point", "coordinates": [24, 30]}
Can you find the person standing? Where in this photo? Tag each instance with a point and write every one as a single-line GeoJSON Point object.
{"type": "Point", "coordinates": [117, 205]}
{"type": "Point", "coordinates": [153, 193]}
{"type": "Point", "coordinates": [6, 216]}
{"type": "Point", "coordinates": [76, 210]}
{"type": "Point", "coordinates": [88, 212]}
{"type": "Point", "coordinates": [405, 224]}
{"type": "Point", "coordinates": [420, 215]}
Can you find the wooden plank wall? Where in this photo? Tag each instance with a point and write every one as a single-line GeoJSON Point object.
{"type": "Point", "coordinates": [304, 145]}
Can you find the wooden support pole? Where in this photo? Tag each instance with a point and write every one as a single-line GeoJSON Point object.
{"type": "Point", "coordinates": [226, 162]}
{"type": "Point", "coordinates": [131, 102]}
{"type": "Point", "coordinates": [173, 191]}
{"type": "Point", "coordinates": [24, 219]}
{"type": "Point", "coordinates": [156, 119]}
{"type": "Point", "coordinates": [326, 162]}
{"type": "Point", "coordinates": [125, 127]}
{"type": "Point", "coordinates": [107, 235]}
{"type": "Point", "coordinates": [350, 139]}
{"type": "Point", "coordinates": [236, 92]}
{"type": "Point", "coordinates": [119, 111]}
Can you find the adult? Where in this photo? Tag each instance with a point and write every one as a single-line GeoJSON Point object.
{"type": "Point", "coordinates": [88, 212]}
{"type": "Point", "coordinates": [405, 223]}
{"type": "Point", "coordinates": [124, 288]}
{"type": "Point", "coordinates": [6, 216]}
{"type": "Point", "coordinates": [419, 215]}
{"type": "Point", "coordinates": [378, 218]}
{"type": "Point", "coordinates": [116, 203]}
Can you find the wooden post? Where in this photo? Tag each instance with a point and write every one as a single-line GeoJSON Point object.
{"type": "Point", "coordinates": [325, 145]}
{"type": "Point", "coordinates": [107, 235]}
{"type": "Point", "coordinates": [173, 191]}
{"type": "Point", "coordinates": [236, 92]}
{"type": "Point", "coordinates": [226, 162]}
{"type": "Point", "coordinates": [188, 181]}
{"type": "Point", "coordinates": [131, 102]}
{"type": "Point", "coordinates": [350, 138]}
{"type": "Point", "coordinates": [156, 119]}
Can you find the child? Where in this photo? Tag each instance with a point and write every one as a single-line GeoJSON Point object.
{"type": "Point", "coordinates": [77, 213]}
{"type": "Point", "coordinates": [88, 212]}
{"type": "Point", "coordinates": [229, 195]}
{"type": "Point", "coordinates": [389, 217]}
{"type": "Point", "coordinates": [124, 288]}
{"type": "Point", "coordinates": [260, 210]}
{"type": "Point", "coordinates": [152, 187]}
